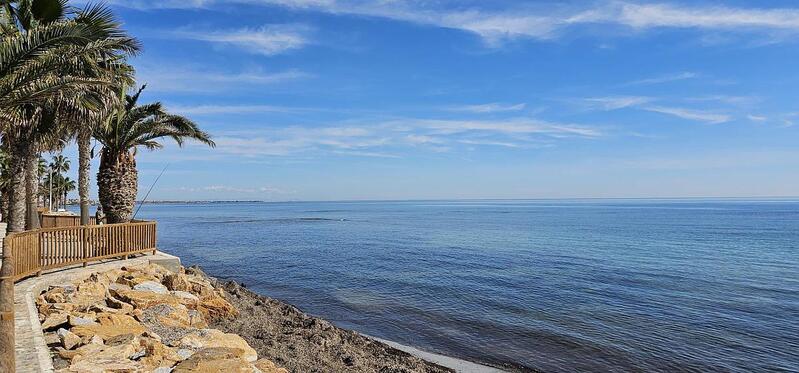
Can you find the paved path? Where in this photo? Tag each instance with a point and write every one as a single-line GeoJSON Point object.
{"type": "Point", "coordinates": [32, 352]}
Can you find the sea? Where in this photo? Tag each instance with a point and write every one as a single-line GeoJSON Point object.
{"type": "Point", "coordinates": [689, 285]}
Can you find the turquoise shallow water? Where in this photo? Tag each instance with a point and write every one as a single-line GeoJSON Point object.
{"type": "Point", "coordinates": [555, 285]}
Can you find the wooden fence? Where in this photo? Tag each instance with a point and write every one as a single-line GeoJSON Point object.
{"type": "Point", "coordinates": [58, 221]}
{"type": "Point", "coordinates": [49, 248]}
{"type": "Point", "coordinates": [29, 253]}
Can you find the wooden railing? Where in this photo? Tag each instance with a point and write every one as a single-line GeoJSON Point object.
{"type": "Point", "coordinates": [29, 253]}
{"type": "Point", "coordinates": [49, 248]}
{"type": "Point", "coordinates": [57, 221]}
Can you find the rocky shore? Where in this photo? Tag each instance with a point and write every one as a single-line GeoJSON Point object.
{"type": "Point", "coordinates": [148, 319]}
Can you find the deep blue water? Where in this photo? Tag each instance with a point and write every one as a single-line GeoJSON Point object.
{"type": "Point", "coordinates": [596, 285]}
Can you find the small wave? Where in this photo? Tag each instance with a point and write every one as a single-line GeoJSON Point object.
{"type": "Point", "coordinates": [277, 220]}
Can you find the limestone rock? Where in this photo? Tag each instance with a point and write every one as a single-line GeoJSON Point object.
{"type": "Point", "coordinates": [55, 295]}
{"type": "Point", "coordinates": [142, 299]}
{"type": "Point", "coordinates": [219, 359]}
{"type": "Point", "coordinates": [80, 321]}
{"type": "Point", "coordinates": [215, 307]}
{"type": "Point", "coordinates": [168, 315]}
{"type": "Point", "coordinates": [209, 338]}
{"type": "Point", "coordinates": [110, 325]}
{"type": "Point", "coordinates": [158, 355]}
{"type": "Point", "coordinates": [52, 339]}
{"type": "Point", "coordinates": [177, 282]}
{"type": "Point", "coordinates": [55, 320]}
{"type": "Point", "coordinates": [151, 286]}
{"type": "Point", "coordinates": [68, 339]}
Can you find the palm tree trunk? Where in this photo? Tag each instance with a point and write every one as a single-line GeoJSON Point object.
{"type": "Point", "coordinates": [16, 210]}
{"type": "Point", "coordinates": [32, 191]}
{"type": "Point", "coordinates": [117, 186]}
{"type": "Point", "coordinates": [84, 166]}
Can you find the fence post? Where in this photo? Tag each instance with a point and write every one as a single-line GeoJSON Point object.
{"type": "Point", "coordinates": [84, 242]}
{"type": "Point", "coordinates": [7, 358]}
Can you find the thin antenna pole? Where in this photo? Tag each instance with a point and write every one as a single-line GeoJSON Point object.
{"type": "Point", "coordinates": [148, 192]}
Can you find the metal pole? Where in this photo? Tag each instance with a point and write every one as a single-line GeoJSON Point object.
{"type": "Point", "coordinates": [7, 357]}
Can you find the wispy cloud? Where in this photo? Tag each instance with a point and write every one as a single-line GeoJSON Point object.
{"type": "Point", "coordinates": [756, 118]}
{"type": "Point", "coordinates": [390, 139]}
{"type": "Point", "coordinates": [665, 78]}
{"type": "Point", "coordinates": [266, 40]}
{"type": "Point", "coordinates": [170, 78]}
{"type": "Point", "coordinates": [615, 102]}
{"type": "Point", "coordinates": [488, 108]}
{"type": "Point", "coordinates": [495, 25]}
{"type": "Point", "coordinates": [701, 116]}
{"type": "Point", "coordinates": [230, 109]}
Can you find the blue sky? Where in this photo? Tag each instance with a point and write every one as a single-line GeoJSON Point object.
{"type": "Point", "coordinates": [349, 99]}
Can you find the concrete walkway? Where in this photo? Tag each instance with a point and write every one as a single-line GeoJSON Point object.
{"type": "Point", "coordinates": [32, 353]}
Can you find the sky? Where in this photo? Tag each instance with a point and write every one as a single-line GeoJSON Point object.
{"type": "Point", "coordinates": [438, 99]}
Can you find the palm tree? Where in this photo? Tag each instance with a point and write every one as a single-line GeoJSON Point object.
{"type": "Point", "coordinates": [66, 185]}
{"type": "Point", "coordinates": [44, 61]}
{"type": "Point", "coordinates": [128, 127]}
{"type": "Point", "coordinates": [59, 166]}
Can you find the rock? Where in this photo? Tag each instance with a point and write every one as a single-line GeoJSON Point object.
{"type": "Point", "coordinates": [177, 282]}
{"type": "Point", "coordinates": [151, 286]}
{"type": "Point", "coordinates": [196, 320]}
{"type": "Point", "coordinates": [219, 359]}
{"type": "Point", "coordinates": [185, 353]}
{"type": "Point", "coordinates": [158, 355]}
{"type": "Point", "coordinates": [52, 339]}
{"type": "Point", "coordinates": [217, 308]}
{"type": "Point", "coordinates": [209, 338]}
{"type": "Point", "coordinates": [55, 320]}
{"type": "Point", "coordinates": [168, 315]}
{"type": "Point", "coordinates": [267, 366]}
{"type": "Point", "coordinates": [110, 325]}
{"type": "Point", "coordinates": [78, 321]}
{"type": "Point", "coordinates": [55, 295]}
{"type": "Point", "coordinates": [185, 298]}
{"type": "Point", "coordinates": [96, 340]}
{"type": "Point", "coordinates": [68, 339]}
{"type": "Point", "coordinates": [121, 340]}
{"type": "Point", "coordinates": [142, 299]}
{"type": "Point", "coordinates": [133, 279]}
{"type": "Point", "coordinates": [118, 304]}
{"type": "Point", "coordinates": [118, 286]}
{"type": "Point", "coordinates": [162, 370]}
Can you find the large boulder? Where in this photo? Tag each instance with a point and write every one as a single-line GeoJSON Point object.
{"type": "Point", "coordinates": [109, 359]}
{"type": "Point", "coordinates": [142, 299]}
{"type": "Point", "coordinates": [55, 320]}
{"type": "Point", "coordinates": [215, 307]}
{"type": "Point", "coordinates": [217, 359]}
{"type": "Point", "coordinates": [151, 286]}
{"type": "Point", "coordinates": [157, 354]}
{"type": "Point", "coordinates": [177, 282]}
{"type": "Point", "coordinates": [68, 339]}
{"type": "Point", "coordinates": [109, 326]}
{"type": "Point", "coordinates": [208, 338]}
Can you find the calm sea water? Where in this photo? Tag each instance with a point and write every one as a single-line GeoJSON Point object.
{"type": "Point", "coordinates": [682, 285]}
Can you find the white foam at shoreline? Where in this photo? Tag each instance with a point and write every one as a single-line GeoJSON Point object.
{"type": "Point", "coordinates": [461, 366]}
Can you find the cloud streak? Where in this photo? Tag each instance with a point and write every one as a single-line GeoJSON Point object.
{"type": "Point", "coordinates": [389, 139]}
{"type": "Point", "coordinates": [188, 79]}
{"type": "Point", "coordinates": [696, 115]}
{"type": "Point", "coordinates": [266, 40]}
{"type": "Point", "coordinates": [538, 21]}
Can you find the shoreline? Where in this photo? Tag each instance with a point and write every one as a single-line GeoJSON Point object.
{"type": "Point", "coordinates": [459, 365]}
{"type": "Point", "coordinates": [265, 318]}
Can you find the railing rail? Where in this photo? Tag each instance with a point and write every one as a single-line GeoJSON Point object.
{"type": "Point", "coordinates": [49, 248]}
{"type": "Point", "coordinates": [29, 253]}
{"type": "Point", "coordinates": [49, 220]}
